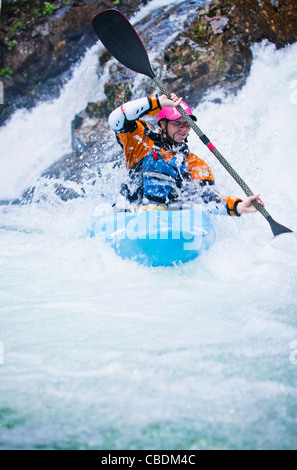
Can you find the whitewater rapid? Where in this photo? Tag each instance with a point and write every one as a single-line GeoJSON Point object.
{"type": "Point", "coordinates": [32, 140]}
{"type": "Point", "coordinates": [100, 353]}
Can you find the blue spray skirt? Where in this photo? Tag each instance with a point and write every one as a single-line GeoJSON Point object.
{"type": "Point", "coordinates": [155, 237]}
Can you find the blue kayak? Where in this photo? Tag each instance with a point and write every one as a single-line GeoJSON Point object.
{"type": "Point", "coordinates": [155, 237]}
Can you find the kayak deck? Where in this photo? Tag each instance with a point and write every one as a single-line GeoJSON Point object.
{"type": "Point", "coordinates": [155, 237]}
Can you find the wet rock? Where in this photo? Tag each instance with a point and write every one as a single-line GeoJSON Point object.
{"type": "Point", "coordinates": [40, 41]}
{"type": "Point", "coordinates": [93, 145]}
{"type": "Point", "coordinates": [90, 125]}
{"type": "Point", "coordinates": [215, 49]}
{"type": "Point", "coordinates": [218, 24]}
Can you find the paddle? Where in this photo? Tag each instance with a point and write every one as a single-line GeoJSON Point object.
{"type": "Point", "coordinates": [122, 41]}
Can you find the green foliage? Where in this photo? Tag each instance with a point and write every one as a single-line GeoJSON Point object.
{"type": "Point", "coordinates": [48, 8]}
{"type": "Point", "coordinates": [45, 9]}
{"type": "Point", "coordinates": [200, 33]}
{"type": "Point", "coordinates": [12, 44]}
{"type": "Point", "coordinates": [6, 72]}
{"type": "Point", "coordinates": [17, 27]}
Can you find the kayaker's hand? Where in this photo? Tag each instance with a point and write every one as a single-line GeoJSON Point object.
{"type": "Point", "coordinates": [247, 206]}
{"type": "Point", "coordinates": [170, 103]}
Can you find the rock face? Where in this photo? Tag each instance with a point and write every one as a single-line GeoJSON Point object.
{"type": "Point", "coordinates": [213, 49]}
{"type": "Point", "coordinates": [216, 48]}
{"type": "Point", "coordinates": [40, 41]}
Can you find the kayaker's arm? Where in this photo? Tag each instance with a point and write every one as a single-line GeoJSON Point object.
{"type": "Point", "coordinates": [216, 202]}
{"type": "Point", "coordinates": [200, 171]}
{"type": "Point", "coordinates": [234, 205]}
{"type": "Point", "coordinates": [247, 206]}
{"type": "Point", "coordinates": [123, 118]}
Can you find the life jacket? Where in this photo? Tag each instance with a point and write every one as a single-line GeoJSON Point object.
{"type": "Point", "coordinates": [162, 180]}
{"type": "Point", "coordinates": [161, 171]}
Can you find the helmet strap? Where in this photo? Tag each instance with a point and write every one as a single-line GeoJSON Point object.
{"type": "Point", "coordinates": [164, 133]}
{"type": "Point", "coordinates": [167, 136]}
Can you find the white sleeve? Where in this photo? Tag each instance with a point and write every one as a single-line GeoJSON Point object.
{"type": "Point", "coordinates": [130, 111]}
{"type": "Point", "coordinates": [117, 119]}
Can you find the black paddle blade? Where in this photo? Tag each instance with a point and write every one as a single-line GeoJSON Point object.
{"type": "Point", "coordinates": [277, 229]}
{"type": "Point", "coordinates": [121, 40]}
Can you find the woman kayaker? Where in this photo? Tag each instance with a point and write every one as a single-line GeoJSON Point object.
{"type": "Point", "coordinates": [161, 167]}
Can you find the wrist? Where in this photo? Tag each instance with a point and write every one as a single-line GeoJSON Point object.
{"type": "Point", "coordinates": [158, 101]}
{"type": "Point", "coordinates": [238, 208]}
{"type": "Point", "coordinates": [161, 100]}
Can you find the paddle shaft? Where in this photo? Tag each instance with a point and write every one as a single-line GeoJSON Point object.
{"type": "Point", "coordinates": [214, 150]}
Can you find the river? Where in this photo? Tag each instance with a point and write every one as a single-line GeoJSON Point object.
{"type": "Point", "coordinates": [101, 353]}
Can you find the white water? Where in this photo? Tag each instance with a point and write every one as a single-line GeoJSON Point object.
{"type": "Point", "coordinates": [102, 353]}
{"type": "Point", "coordinates": [34, 139]}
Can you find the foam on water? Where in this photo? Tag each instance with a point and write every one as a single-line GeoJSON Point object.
{"type": "Point", "coordinates": [32, 140]}
{"type": "Point", "coordinates": [102, 353]}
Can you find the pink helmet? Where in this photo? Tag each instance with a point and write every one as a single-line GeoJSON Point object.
{"type": "Point", "coordinates": [172, 114]}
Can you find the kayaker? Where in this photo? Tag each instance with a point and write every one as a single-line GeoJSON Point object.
{"type": "Point", "coordinates": [161, 167]}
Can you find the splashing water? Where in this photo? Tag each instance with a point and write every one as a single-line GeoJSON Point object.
{"type": "Point", "coordinates": [100, 353]}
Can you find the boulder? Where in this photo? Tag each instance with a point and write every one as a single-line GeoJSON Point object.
{"type": "Point", "coordinates": [39, 43]}
{"type": "Point", "coordinates": [215, 49]}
